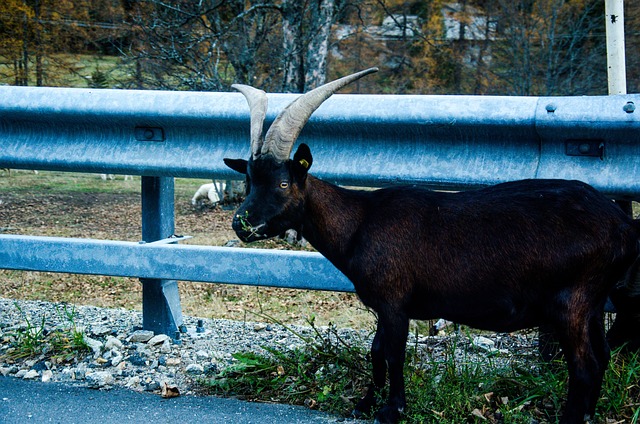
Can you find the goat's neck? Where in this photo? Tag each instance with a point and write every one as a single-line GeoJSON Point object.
{"type": "Point", "coordinates": [332, 217]}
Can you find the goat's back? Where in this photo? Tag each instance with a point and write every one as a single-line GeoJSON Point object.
{"type": "Point", "coordinates": [494, 256]}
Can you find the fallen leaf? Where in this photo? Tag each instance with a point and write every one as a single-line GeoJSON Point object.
{"type": "Point", "coordinates": [439, 414]}
{"type": "Point", "coordinates": [476, 413]}
{"type": "Point", "coordinates": [169, 391]}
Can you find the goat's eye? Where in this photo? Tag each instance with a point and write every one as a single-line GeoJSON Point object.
{"type": "Point", "coordinates": [284, 184]}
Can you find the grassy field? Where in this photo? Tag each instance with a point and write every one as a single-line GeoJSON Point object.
{"type": "Point", "coordinates": [71, 70]}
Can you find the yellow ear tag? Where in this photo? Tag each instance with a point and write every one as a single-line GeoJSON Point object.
{"type": "Point", "coordinates": [304, 163]}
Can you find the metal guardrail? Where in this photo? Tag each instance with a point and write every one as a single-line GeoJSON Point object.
{"type": "Point", "coordinates": [445, 142]}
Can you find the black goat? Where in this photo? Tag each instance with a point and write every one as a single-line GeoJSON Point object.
{"type": "Point", "coordinates": [516, 255]}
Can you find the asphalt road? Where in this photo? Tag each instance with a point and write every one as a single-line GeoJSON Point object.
{"type": "Point", "coordinates": [36, 402]}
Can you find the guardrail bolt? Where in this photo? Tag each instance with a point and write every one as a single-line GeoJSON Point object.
{"type": "Point", "coordinates": [584, 148]}
{"type": "Point", "coordinates": [630, 107]}
{"type": "Point", "coordinates": [149, 134]}
{"type": "Point", "coordinates": [551, 107]}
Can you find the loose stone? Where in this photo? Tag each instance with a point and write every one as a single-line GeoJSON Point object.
{"type": "Point", "coordinates": [47, 376]}
{"type": "Point", "coordinates": [202, 355]}
{"type": "Point", "coordinates": [95, 345]}
{"type": "Point", "coordinates": [113, 343]}
{"type": "Point", "coordinates": [141, 336]}
{"type": "Point", "coordinates": [99, 380]}
{"type": "Point", "coordinates": [194, 369]}
{"type": "Point", "coordinates": [31, 375]}
{"type": "Point", "coordinates": [159, 339]}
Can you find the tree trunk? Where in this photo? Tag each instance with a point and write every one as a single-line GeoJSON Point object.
{"type": "Point", "coordinates": [322, 16]}
{"type": "Point", "coordinates": [292, 16]}
{"type": "Point", "coordinates": [24, 74]}
{"type": "Point", "coordinates": [38, 28]}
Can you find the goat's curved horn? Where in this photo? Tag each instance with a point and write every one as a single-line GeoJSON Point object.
{"type": "Point", "coordinates": [257, 100]}
{"type": "Point", "coordinates": [285, 129]}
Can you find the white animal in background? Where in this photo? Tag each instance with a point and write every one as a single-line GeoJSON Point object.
{"type": "Point", "coordinates": [439, 326]}
{"type": "Point", "coordinates": [212, 191]}
{"type": "Point", "coordinates": [106, 177]}
{"type": "Point", "coordinates": [218, 191]}
{"type": "Point", "coordinates": [8, 171]}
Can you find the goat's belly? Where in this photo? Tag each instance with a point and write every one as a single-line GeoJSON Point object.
{"type": "Point", "coordinates": [503, 324]}
{"type": "Point", "coordinates": [481, 314]}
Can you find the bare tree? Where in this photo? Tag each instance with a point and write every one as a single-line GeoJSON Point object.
{"type": "Point", "coordinates": [31, 31]}
{"type": "Point", "coordinates": [306, 32]}
{"type": "Point", "coordinates": [515, 47]}
{"type": "Point", "coordinates": [632, 38]}
{"type": "Point", "coordinates": [292, 46]}
{"type": "Point", "coordinates": [203, 45]}
{"type": "Point", "coordinates": [322, 16]}
{"type": "Point", "coordinates": [207, 45]}
{"type": "Point", "coordinates": [550, 47]}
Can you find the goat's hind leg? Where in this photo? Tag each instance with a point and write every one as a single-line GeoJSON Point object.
{"type": "Point", "coordinates": [379, 368]}
{"type": "Point", "coordinates": [626, 299]}
{"type": "Point", "coordinates": [587, 354]}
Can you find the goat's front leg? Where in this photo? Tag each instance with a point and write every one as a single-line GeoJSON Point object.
{"type": "Point", "coordinates": [395, 330]}
{"type": "Point", "coordinates": [379, 368]}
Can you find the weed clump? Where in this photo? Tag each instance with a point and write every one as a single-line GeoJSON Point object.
{"type": "Point", "coordinates": [326, 373]}
{"type": "Point", "coordinates": [454, 385]}
{"type": "Point", "coordinates": [62, 344]}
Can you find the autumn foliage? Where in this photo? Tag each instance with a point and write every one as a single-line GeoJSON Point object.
{"type": "Point", "coordinates": [506, 47]}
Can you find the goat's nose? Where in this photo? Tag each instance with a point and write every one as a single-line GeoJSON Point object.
{"type": "Point", "coordinates": [237, 223]}
{"type": "Point", "coordinates": [241, 226]}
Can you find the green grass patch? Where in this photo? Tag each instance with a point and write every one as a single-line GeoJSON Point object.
{"type": "Point", "coordinates": [74, 70]}
{"type": "Point", "coordinates": [454, 386]}
{"type": "Point", "coordinates": [621, 388]}
{"type": "Point", "coordinates": [22, 181]}
{"type": "Point", "coordinates": [63, 344]}
{"type": "Point", "coordinates": [326, 373]}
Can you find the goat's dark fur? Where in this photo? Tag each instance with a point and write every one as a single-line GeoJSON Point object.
{"type": "Point", "coordinates": [534, 253]}
{"type": "Point", "coordinates": [516, 255]}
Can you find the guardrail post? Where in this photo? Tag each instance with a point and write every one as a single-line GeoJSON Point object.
{"type": "Point", "coordinates": [161, 311]}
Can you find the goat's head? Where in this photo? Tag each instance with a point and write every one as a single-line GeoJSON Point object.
{"type": "Point", "coordinates": [275, 183]}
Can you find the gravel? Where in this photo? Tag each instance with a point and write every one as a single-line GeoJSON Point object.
{"type": "Point", "coordinates": [125, 355]}
{"type": "Point", "coordinates": [122, 354]}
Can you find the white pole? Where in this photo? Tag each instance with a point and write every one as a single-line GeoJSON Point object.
{"type": "Point", "coordinates": [617, 75]}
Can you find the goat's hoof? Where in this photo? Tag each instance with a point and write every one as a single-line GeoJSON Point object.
{"type": "Point", "coordinates": [387, 415]}
{"type": "Point", "coordinates": [362, 412]}
{"type": "Point", "coordinates": [358, 415]}
{"type": "Point", "coordinates": [363, 408]}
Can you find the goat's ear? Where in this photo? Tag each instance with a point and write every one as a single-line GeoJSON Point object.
{"type": "Point", "coordinates": [302, 159]}
{"type": "Point", "coordinates": [238, 165]}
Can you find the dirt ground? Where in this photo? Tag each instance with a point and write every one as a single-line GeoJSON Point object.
{"type": "Point", "coordinates": [93, 208]}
